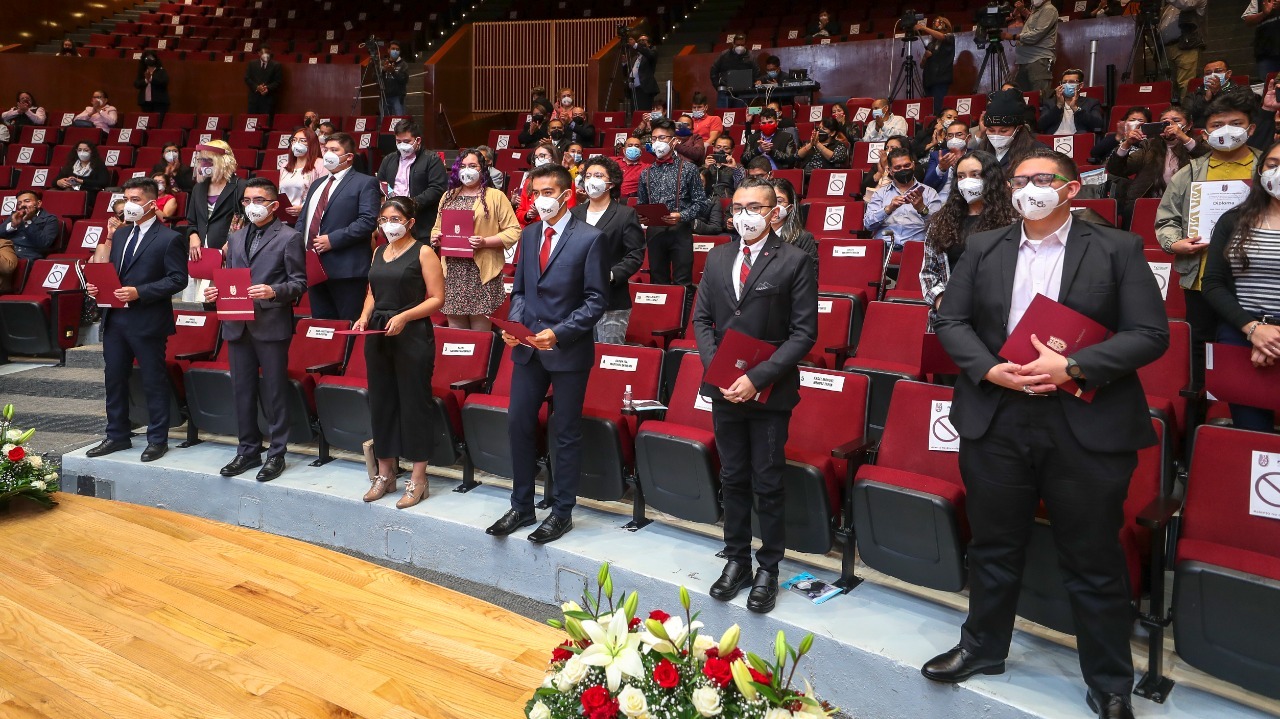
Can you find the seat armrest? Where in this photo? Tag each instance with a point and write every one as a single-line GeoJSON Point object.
{"type": "Point", "coordinates": [326, 368]}
{"type": "Point", "coordinates": [842, 353]}
{"type": "Point", "coordinates": [67, 291]}
{"type": "Point", "coordinates": [1192, 391]}
{"type": "Point", "coordinates": [854, 448]}
{"type": "Point", "coordinates": [1157, 514]}
{"type": "Point", "coordinates": [201, 356]}
{"type": "Point", "coordinates": [467, 386]}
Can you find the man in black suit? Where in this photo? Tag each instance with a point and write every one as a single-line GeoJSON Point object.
{"type": "Point", "coordinates": [640, 77]}
{"type": "Point", "coordinates": [337, 219]}
{"type": "Point", "coordinates": [274, 255]}
{"type": "Point", "coordinates": [623, 241]}
{"type": "Point", "coordinates": [151, 260]}
{"type": "Point", "coordinates": [561, 288]}
{"type": "Point", "coordinates": [1023, 441]}
{"type": "Point", "coordinates": [1067, 113]}
{"type": "Point", "coordinates": [767, 289]}
{"type": "Point", "coordinates": [263, 77]}
{"type": "Point", "coordinates": [416, 173]}
{"type": "Point", "coordinates": [33, 231]}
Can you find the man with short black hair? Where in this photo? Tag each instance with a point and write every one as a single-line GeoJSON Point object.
{"type": "Point", "coordinates": [33, 231]}
{"type": "Point", "coordinates": [1066, 112]}
{"type": "Point", "coordinates": [338, 218]}
{"type": "Point", "coordinates": [151, 260]}
{"type": "Point", "coordinates": [675, 182]}
{"type": "Point", "coordinates": [766, 140]}
{"type": "Point", "coordinates": [395, 81]}
{"type": "Point", "coordinates": [772, 73]}
{"type": "Point", "coordinates": [759, 168]}
{"type": "Point", "coordinates": [263, 76]}
{"type": "Point", "coordinates": [417, 173]}
{"type": "Point", "coordinates": [901, 208]}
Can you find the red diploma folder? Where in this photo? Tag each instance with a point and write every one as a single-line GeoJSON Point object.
{"type": "Point", "coordinates": [1229, 375]}
{"type": "Point", "coordinates": [457, 227]}
{"type": "Point", "coordinates": [233, 293]}
{"type": "Point", "coordinates": [934, 358]}
{"type": "Point", "coordinates": [737, 354]}
{"type": "Point", "coordinates": [653, 215]}
{"type": "Point", "coordinates": [1061, 329]}
{"type": "Point", "coordinates": [515, 329]}
{"type": "Point", "coordinates": [315, 270]}
{"type": "Point", "coordinates": [103, 276]}
{"type": "Point", "coordinates": [360, 332]}
{"type": "Point", "coordinates": [285, 204]}
{"type": "Point", "coordinates": [203, 268]}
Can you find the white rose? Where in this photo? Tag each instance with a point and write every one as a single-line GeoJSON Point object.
{"type": "Point", "coordinates": [13, 434]}
{"type": "Point", "coordinates": [707, 701]}
{"type": "Point", "coordinates": [7, 448]}
{"type": "Point", "coordinates": [540, 711]}
{"type": "Point", "coordinates": [52, 476]}
{"type": "Point", "coordinates": [38, 484]}
{"type": "Point", "coordinates": [573, 672]}
{"type": "Point", "coordinates": [35, 460]}
{"type": "Point", "coordinates": [701, 644]}
{"type": "Point", "coordinates": [778, 713]}
{"type": "Point", "coordinates": [632, 702]}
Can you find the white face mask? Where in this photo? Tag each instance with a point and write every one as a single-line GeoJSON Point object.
{"type": "Point", "coordinates": [133, 211]}
{"type": "Point", "coordinates": [750, 225]}
{"type": "Point", "coordinates": [1270, 180]}
{"type": "Point", "coordinates": [332, 160]}
{"type": "Point", "coordinates": [257, 213]}
{"type": "Point", "coordinates": [540, 161]}
{"type": "Point", "coordinates": [970, 188]}
{"type": "Point", "coordinates": [1036, 203]}
{"type": "Point", "coordinates": [83, 155]}
{"type": "Point", "coordinates": [783, 211]}
{"type": "Point", "coordinates": [394, 230]}
{"type": "Point", "coordinates": [999, 142]}
{"type": "Point", "coordinates": [956, 143]}
{"type": "Point", "coordinates": [661, 149]}
{"type": "Point", "coordinates": [299, 149]}
{"type": "Point", "coordinates": [566, 101]}
{"type": "Point", "coordinates": [171, 156]}
{"type": "Point", "coordinates": [595, 187]}
{"type": "Point", "coordinates": [469, 175]}
{"type": "Point", "coordinates": [1229, 138]}
{"type": "Point", "coordinates": [160, 186]}
{"type": "Point", "coordinates": [205, 171]}
{"type": "Point", "coordinates": [405, 148]}
{"type": "Point", "coordinates": [548, 207]}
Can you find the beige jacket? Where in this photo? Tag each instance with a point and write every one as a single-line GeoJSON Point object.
{"type": "Point", "coordinates": [500, 221]}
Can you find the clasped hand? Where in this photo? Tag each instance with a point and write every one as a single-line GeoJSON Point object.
{"type": "Point", "coordinates": [1041, 375]}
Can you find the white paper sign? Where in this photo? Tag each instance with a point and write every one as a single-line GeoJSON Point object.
{"type": "Point", "coordinates": [1144, 88]}
{"type": "Point", "coordinates": [793, 34]}
{"type": "Point", "coordinates": [126, 135]}
{"type": "Point", "coordinates": [702, 403]}
{"type": "Point", "coordinates": [1162, 271]}
{"type": "Point", "coordinates": [1209, 201]}
{"type": "Point", "coordinates": [284, 142]}
{"type": "Point", "coordinates": [360, 124]}
{"type": "Point", "coordinates": [817, 380]}
{"type": "Point", "coordinates": [24, 155]}
{"type": "Point", "coordinates": [68, 118]}
{"type": "Point", "coordinates": [507, 286]}
{"type": "Point", "coordinates": [313, 61]}
{"type": "Point", "coordinates": [622, 364]}
{"type": "Point", "coordinates": [282, 162]}
{"type": "Point", "coordinates": [703, 246]}
{"type": "Point", "coordinates": [112, 159]}
{"type": "Point", "coordinates": [162, 44]}
{"type": "Point", "coordinates": [874, 151]}
{"type": "Point", "coordinates": [228, 58]}
{"type": "Point", "coordinates": [144, 121]}
{"type": "Point", "coordinates": [855, 251]}
{"type": "Point", "coordinates": [40, 177]}
{"type": "Point", "coordinates": [1264, 485]}
{"type": "Point", "coordinates": [328, 35]}
{"type": "Point", "coordinates": [823, 41]}
{"type": "Point", "coordinates": [855, 29]}
{"type": "Point", "coordinates": [54, 279]}
{"type": "Point", "coordinates": [834, 217]}
{"type": "Point", "coordinates": [320, 333]}
{"type": "Point", "coordinates": [815, 113]}
{"type": "Point", "coordinates": [913, 110]}
{"type": "Point", "coordinates": [650, 298]}
{"type": "Point", "coordinates": [205, 138]}
{"type": "Point", "coordinates": [365, 140]}
{"type": "Point", "coordinates": [1081, 5]}
{"type": "Point", "coordinates": [836, 183]}
{"type": "Point", "coordinates": [728, 118]}
{"type": "Point", "coordinates": [92, 236]}
{"type": "Point", "coordinates": [942, 436]}
{"type": "Point", "coordinates": [963, 106]}
{"type": "Point", "coordinates": [8, 205]}
{"type": "Point", "coordinates": [454, 349]}
{"type": "Point", "coordinates": [37, 136]}
{"type": "Point", "coordinates": [1066, 144]}
{"type": "Point", "coordinates": [824, 307]}
{"type": "Point", "coordinates": [190, 320]}
{"type": "Point", "coordinates": [211, 124]}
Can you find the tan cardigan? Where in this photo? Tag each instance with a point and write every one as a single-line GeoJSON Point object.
{"type": "Point", "coordinates": [501, 222]}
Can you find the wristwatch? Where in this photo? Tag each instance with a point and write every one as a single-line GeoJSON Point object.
{"type": "Point", "coordinates": [1073, 369]}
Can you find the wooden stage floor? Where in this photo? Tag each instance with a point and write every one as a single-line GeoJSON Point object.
{"type": "Point", "coordinates": [117, 610]}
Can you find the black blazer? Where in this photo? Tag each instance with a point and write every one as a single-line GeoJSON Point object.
{"type": "Point", "coordinates": [779, 305]}
{"type": "Point", "coordinates": [784, 148]}
{"type": "Point", "coordinates": [349, 220]}
{"type": "Point", "coordinates": [623, 240]}
{"type": "Point", "coordinates": [158, 270]}
{"type": "Point", "coordinates": [648, 64]}
{"type": "Point", "coordinates": [427, 183]}
{"type": "Point", "coordinates": [1105, 277]}
{"type": "Point", "coordinates": [1089, 116]}
{"type": "Point", "coordinates": [255, 75]}
{"type": "Point", "coordinates": [280, 262]}
{"type": "Point", "coordinates": [159, 87]}
{"type": "Point", "coordinates": [213, 227]}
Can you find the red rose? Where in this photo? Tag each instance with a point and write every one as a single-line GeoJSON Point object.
{"type": "Point", "coordinates": [635, 622]}
{"type": "Point", "coordinates": [16, 454]}
{"type": "Point", "coordinates": [666, 674]}
{"type": "Point", "coordinates": [734, 655]}
{"type": "Point", "coordinates": [608, 711]}
{"type": "Point", "coordinates": [561, 653]}
{"type": "Point", "coordinates": [717, 670]}
{"type": "Point", "coordinates": [659, 615]}
{"type": "Point", "coordinates": [761, 678]}
{"type": "Point", "coordinates": [595, 698]}
{"type": "Point", "coordinates": [713, 653]}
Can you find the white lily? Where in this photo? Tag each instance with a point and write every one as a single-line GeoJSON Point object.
{"type": "Point", "coordinates": [614, 649]}
{"type": "Point", "coordinates": [677, 634]}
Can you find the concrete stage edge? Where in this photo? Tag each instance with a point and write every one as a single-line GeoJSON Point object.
{"type": "Point", "coordinates": [869, 644]}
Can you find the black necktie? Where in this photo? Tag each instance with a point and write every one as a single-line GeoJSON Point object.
{"type": "Point", "coordinates": [130, 247]}
{"type": "Point", "coordinates": [254, 238]}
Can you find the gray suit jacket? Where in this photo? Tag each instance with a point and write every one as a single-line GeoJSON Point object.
{"type": "Point", "coordinates": [279, 262]}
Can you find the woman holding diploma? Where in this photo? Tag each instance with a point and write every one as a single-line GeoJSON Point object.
{"type": "Point", "coordinates": [406, 287]}
{"type": "Point", "coordinates": [473, 288]}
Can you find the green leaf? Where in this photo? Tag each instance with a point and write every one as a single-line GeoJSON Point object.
{"type": "Point", "coordinates": [768, 692]}
{"type": "Point", "coordinates": [757, 663]}
{"type": "Point", "coordinates": [580, 616]}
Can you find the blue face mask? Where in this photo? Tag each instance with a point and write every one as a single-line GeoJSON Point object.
{"type": "Point", "coordinates": [655, 115]}
{"type": "Point", "coordinates": [1068, 89]}
{"type": "Point", "coordinates": [877, 113]}
{"type": "Point", "coordinates": [395, 54]}
{"type": "Point", "coordinates": [772, 74]}
{"type": "Point", "coordinates": [683, 130]}
{"type": "Point", "coordinates": [632, 153]}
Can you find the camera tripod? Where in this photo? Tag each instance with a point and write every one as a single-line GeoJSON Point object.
{"type": "Point", "coordinates": [908, 78]}
{"type": "Point", "coordinates": [994, 67]}
{"type": "Point", "coordinates": [1147, 40]}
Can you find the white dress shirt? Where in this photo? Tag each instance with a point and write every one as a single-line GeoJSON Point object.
{"type": "Point", "coordinates": [336, 179]}
{"type": "Point", "coordinates": [756, 248]}
{"type": "Point", "coordinates": [1039, 270]}
{"type": "Point", "coordinates": [557, 231]}
{"type": "Point", "coordinates": [143, 229]}
{"type": "Point", "coordinates": [1068, 124]}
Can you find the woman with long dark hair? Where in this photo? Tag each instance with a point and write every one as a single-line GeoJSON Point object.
{"type": "Point", "coordinates": [302, 166]}
{"type": "Point", "coordinates": [979, 201]}
{"type": "Point", "coordinates": [1145, 160]}
{"type": "Point", "coordinates": [473, 287]}
{"type": "Point", "coordinates": [786, 222]}
{"type": "Point", "coordinates": [178, 174]}
{"type": "Point", "coordinates": [1242, 279]}
{"type": "Point", "coordinates": [152, 83]}
{"type": "Point", "coordinates": [83, 170]}
{"type": "Point", "coordinates": [623, 239]}
{"type": "Point", "coordinates": [827, 148]}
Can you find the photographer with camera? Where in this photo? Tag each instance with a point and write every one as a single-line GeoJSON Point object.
{"type": "Point", "coordinates": [937, 65]}
{"type": "Point", "coordinates": [395, 80]}
{"type": "Point", "coordinates": [1037, 46]}
{"type": "Point", "coordinates": [1181, 27]}
{"type": "Point", "coordinates": [1066, 112]}
{"type": "Point", "coordinates": [640, 75]}
{"type": "Point", "coordinates": [1151, 153]}
{"type": "Point", "coordinates": [721, 174]}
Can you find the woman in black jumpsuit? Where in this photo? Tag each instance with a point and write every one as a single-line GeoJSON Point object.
{"type": "Point", "coordinates": [406, 287]}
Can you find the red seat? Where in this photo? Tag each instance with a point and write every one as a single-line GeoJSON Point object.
{"type": "Point", "coordinates": [361, 123]}
{"type": "Point", "coordinates": [43, 317]}
{"type": "Point", "coordinates": [195, 335]}
{"type": "Point", "coordinates": [250, 123]}
{"type": "Point", "coordinates": [850, 267]}
{"type": "Point", "coordinates": [86, 235]}
{"type": "Point", "coordinates": [657, 314]}
{"type": "Point", "coordinates": [126, 136]}
{"type": "Point", "coordinates": [69, 204]}
{"type": "Point", "coordinates": [837, 219]}
{"type": "Point", "coordinates": [909, 288]}
{"type": "Point", "coordinates": [1165, 380]}
{"type": "Point", "coordinates": [1103, 206]}
{"type": "Point", "coordinates": [484, 422]}
{"type": "Point", "coordinates": [839, 321]}
{"type": "Point", "coordinates": [676, 461]}
{"type": "Point", "coordinates": [38, 178]}
{"type": "Point", "coordinates": [833, 184]}
{"type": "Point", "coordinates": [117, 156]}
{"type": "Point", "coordinates": [462, 366]}
{"type": "Point", "coordinates": [213, 123]}
{"type": "Point", "coordinates": [1144, 93]}
{"type": "Point", "coordinates": [890, 348]}
{"type": "Point", "coordinates": [19, 154]}
{"type": "Point", "coordinates": [1078, 146]}
{"type": "Point", "coordinates": [1143, 221]}
{"type": "Point", "coordinates": [913, 109]}
{"type": "Point", "coordinates": [38, 135]}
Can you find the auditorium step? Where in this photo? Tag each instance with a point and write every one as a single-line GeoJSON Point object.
{"type": "Point", "coordinates": [50, 383]}
{"type": "Point", "coordinates": [701, 28]}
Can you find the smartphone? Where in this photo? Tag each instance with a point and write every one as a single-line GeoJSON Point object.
{"type": "Point", "coordinates": [754, 111]}
{"type": "Point", "coordinates": [1151, 129]}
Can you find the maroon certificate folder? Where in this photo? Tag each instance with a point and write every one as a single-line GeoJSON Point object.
{"type": "Point", "coordinates": [737, 354]}
{"type": "Point", "coordinates": [1229, 375]}
{"type": "Point", "coordinates": [1061, 329]}
{"type": "Point", "coordinates": [653, 215]}
{"type": "Point", "coordinates": [103, 276]}
{"type": "Point", "coordinates": [515, 329]}
{"type": "Point", "coordinates": [457, 227]}
{"type": "Point", "coordinates": [934, 358]}
{"type": "Point", "coordinates": [315, 270]}
{"type": "Point", "coordinates": [233, 293]}
{"type": "Point", "coordinates": [203, 268]}
{"type": "Point", "coordinates": [285, 204]}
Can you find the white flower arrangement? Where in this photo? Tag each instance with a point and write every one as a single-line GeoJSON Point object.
{"type": "Point", "coordinates": [22, 473]}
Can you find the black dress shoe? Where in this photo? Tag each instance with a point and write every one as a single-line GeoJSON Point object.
{"type": "Point", "coordinates": [551, 529]}
{"type": "Point", "coordinates": [510, 522]}
{"type": "Point", "coordinates": [764, 593]}
{"type": "Point", "coordinates": [154, 452]}
{"type": "Point", "coordinates": [1109, 706]}
{"type": "Point", "coordinates": [272, 469]}
{"type": "Point", "coordinates": [241, 464]}
{"type": "Point", "coordinates": [735, 576]}
{"type": "Point", "coordinates": [958, 665]}
{"type": "Point", "coordinates": [107, 446]}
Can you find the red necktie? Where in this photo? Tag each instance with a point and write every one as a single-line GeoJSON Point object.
{"type": "Point", "coordinates": [544, 254]}
{"type": "Point", "coordinates": [316, 216]}
{"type": "Point", "coordinates": [745, 271]}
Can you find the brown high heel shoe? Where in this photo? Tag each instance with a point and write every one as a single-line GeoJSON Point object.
{"type": "Point", "coordinates": [414, 492]}
{"type": "Point", "coordinates": [380, 487]}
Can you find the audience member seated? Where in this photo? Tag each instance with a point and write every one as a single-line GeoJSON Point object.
{"type": "Point", "coordinates": [787, 223]}
{"type": "Point", "coordinates": [580, 129]}
{"type": "Point", "coordinates": [1008, 136]}
{"type": "Point", "coordinates": [303, 167]}
{"type": "Point", "coordinates": [735, 58]}
{"type": "Point", "coordinates": [706, 126]}
{"type": "Point", "coordinates": [932, 137]}
{"type": "Point", "coordinates": [68, 49]}
{"type": "Point", "coordinates": [766, 141]}
{"type": "Point", "coordinates": [538, 99]}
{"type": "Point", "coordinates": [645, 128]}
{"type": "Point", "coordinates": [772, 73]}
{"type": "Point", "coordinates": [721, 174]}
{"type": "Point", "coordinates": [178, 176]}
{"type": "Point", "coordinates": [632, 165]}
{"type": "Point", "coordinates": [100, 113]}
{"type": "Point", "coordinates": [1133, 117]}
{"type": "Point", "coordinates": [535, 128]}
{"type": "Point", "coordinates": [1148, 162]}
{"type": "Point", "coordinates": [166, 201]}
{"type": "Point", "coordinates": [324, 130]}
{"type": "Point", "coordinates": [84, 170]}
{"type": "Point", "coordinates": [498, 179]}
{"type": "Point", "coordinates": [759, 168]}
{"type": "Point", "coordinates": [32, 230]}
{"type": "Point", "coordinates": [784, 122]}
{"type": "Point", "coordinates": [852, 130]}
{"type": "Point", "coordinates": [899, 210]}
{"type": "Point", "coordinates": [884, 124]}
{"type": "Point", "coordinates": [545, 153]}
{"type": "Point", "coordinates": [822, 27]}
{"type": "Point", "coordinates": [564, 110]}
{"type": "Point", "coordinates": [1217, 81]}
{"type": "Point", "coordinates": [24, 112]}
{"type": "Point", "coordinates": [880, 176]}
{"type": "Point", "coordinates": [572, 161]}
{"type": "Point", "coordinates": [557, 135]}
{"type": "Point", "coordinates": [826, 149]}
{"type": "Point", "coordinates": [1066, 112]}
{"type": "Point", "coordinates": [689, 143]}
{"type": "Point", "coordinates": [942, 161]}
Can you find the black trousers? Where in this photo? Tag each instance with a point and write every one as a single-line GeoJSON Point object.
{"type": "Point", "coordinates": [1204, 329]}
{"type": "Point", "coordinates": [261, 104]}
{"type": "Point", "coordinates": [399, 370]}
{"type": "Point", "coordinates": [529, 384]}
{"type": "Point", "coordinates": [121, 345]}
{"type": "Point", "coordinates": [249, 357]}
{"type": "Point", "coordinates": [1027, 455]}
{"type": "Point", "coordinates": [338, 299]}
{"type": "Point", "coordinates": [751, 441]}
{"type": "Point", "coordinates": [671, 258]}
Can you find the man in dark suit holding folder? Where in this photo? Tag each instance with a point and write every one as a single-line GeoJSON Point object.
{"type": "Point", "coordinates": [1022, 440]}
{"type": "Point", "coordinates": [274, 255]}
{"type": "Point", "coordinates": [766, 289]}
{"type": "Point", "coordinates": [151, 261]}
{"type": "Point", "coordinates": [560, 292]}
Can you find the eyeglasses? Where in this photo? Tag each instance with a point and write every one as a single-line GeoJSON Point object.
{"type": "Point", "coordinates": [1040, 179]}
{"type": "Point", "coordinates": [385, 220]}
{"type": "Point", "coordinates": [597, 177]}
{"type": "Point", "coordinates": [754, 208]}
{"type": "Point", "coordinates": [246, 201]}
{"type": "Point", "coordinates": [661, 138]}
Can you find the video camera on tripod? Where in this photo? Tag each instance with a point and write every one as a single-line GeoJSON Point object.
{"type": "Point", "coordinates": [907, 24]}
{"type": "Point", "coordinates": [990, 21]}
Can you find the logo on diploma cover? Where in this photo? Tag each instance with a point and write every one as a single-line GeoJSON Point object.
{"type": "Point", "coordinates": [232, 290]}
{"type": "Point", "coordinates": [1056, 344]}
{"type": "Point", "coordinates": [457, 229]}
{"type": "Point", "coordinates": [741, 364]}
